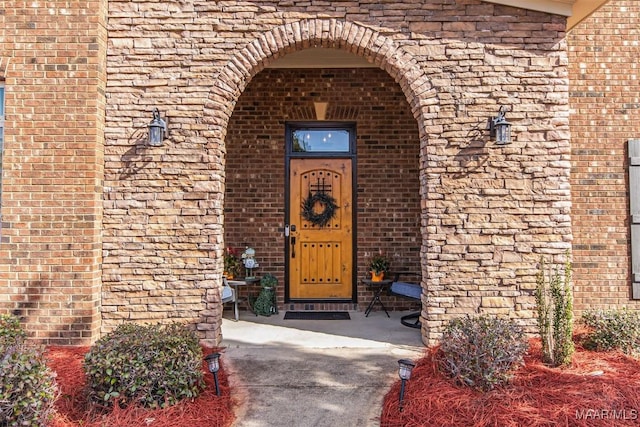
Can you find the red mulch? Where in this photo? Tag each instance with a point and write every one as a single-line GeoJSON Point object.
{"type": "Point", "coordinates": [538, 395]}
{"type": "Point", "coordinates": [72, 409]}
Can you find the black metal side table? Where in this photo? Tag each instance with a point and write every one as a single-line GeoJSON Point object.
{"type": "Point", "coordinates": [382, 285]}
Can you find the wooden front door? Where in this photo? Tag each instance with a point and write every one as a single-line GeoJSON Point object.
{"type": "Point", "coordinates": [320, 249]}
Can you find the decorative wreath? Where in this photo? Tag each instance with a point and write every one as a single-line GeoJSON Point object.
{"type": "Point", "coordinates": [321, 218]}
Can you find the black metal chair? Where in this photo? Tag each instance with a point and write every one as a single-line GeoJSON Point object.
{"type": "Point", "coordinates": [407, 290]}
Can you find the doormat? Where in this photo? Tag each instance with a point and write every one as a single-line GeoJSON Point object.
{"type": "Point", "coordinates": [317, 315]}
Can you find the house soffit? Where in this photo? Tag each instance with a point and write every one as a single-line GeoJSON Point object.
{"type": "Point", "coordinates": [574, 10]}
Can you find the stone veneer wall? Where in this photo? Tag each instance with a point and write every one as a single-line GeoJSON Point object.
{"type": "Point", "coordinates": [52, 61]}
{"type": "Point", "coordinates": [488, 213]}
{"type": "Point", "coordinates": [603, 56]}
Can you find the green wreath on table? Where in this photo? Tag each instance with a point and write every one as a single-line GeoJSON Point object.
{"type": "Point", "coordinates": [319, 218]}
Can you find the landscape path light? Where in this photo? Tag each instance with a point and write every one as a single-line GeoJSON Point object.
{"type": "Point", "coordinates": [213, 360]}
{"type": "Point", "coordinates": [404, 371]}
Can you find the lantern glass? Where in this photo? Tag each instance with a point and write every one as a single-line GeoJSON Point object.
{"type": "Point", "coordinates": [405, 367]}
{"type": "Point", "coordinates": [213, 362]}
{"type": "Point", "coordinates": [155, 135]}
{"type": "Point", "coordinates": [503, 132]}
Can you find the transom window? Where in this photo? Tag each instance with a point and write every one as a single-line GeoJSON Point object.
{"type": "Point", "coordinates": [321, 139]}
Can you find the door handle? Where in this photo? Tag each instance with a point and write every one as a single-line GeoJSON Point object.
{"type": "Point", "coordinates": [293, 246]}
{"type": "Point", "coordinates": [292, 239]}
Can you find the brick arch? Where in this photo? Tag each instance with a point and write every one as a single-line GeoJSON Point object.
{"type": "Point", "coordinates": [232, 80]}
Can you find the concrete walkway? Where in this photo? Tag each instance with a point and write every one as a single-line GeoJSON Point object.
{"type": "Point", "coordinates": [301, 373]}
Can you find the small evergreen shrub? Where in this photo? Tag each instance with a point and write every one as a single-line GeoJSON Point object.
{"type": "Point", "coordinates": [154, 366]}
{"type": "Point", "coordinates": [27, 386]}
{"type": "Point", "coordinates": [554, 304]}
{"type": "Point", "coordinates": [482, 352]}
{"type": "Point", "coordinates": [614, 329]}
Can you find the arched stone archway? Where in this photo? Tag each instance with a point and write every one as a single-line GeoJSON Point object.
{"type": "Point", "coordinates": [330, 33]}
{"type": "Point", "coordinates": [357, 39]}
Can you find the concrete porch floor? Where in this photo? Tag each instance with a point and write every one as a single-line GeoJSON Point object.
{"type": "Point", "coordinates": [314, 372]}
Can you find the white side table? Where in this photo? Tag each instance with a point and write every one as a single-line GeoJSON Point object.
{"type": "Point", "coordinates": [236, 284]}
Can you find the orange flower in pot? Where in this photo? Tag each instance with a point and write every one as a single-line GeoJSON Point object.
{"type": "Point", "coordinates": [378, 266]}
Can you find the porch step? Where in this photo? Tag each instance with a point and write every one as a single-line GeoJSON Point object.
{"type": "Point", "coordinates": [321, 307]}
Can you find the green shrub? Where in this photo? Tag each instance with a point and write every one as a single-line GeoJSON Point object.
{"type": "Point", "coordinates": [27, 386]}
{"type": "Point", "coordinates": [555, 313]}
{"type": "Point", "coordinates": [482, 352]}
{"type": "Point", "coordinates": [615, 329]}
{"type": "Point", "coordinates": [154, 366]}
{"type": "Point", "coordinates": [10, 330]}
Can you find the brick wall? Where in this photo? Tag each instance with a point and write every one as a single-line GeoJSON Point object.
{"type": "Point", "coordinates": [388, 190]}
{"type": "Point", "coordinates": [53, 65]}
{"type": "Point", "coordinates": [603, 57]}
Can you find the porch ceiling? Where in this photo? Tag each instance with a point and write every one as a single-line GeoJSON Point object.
{"type": "Point", "coordinates": [575, 10]}
{"type": "Point", "coordinates": [319, 57]}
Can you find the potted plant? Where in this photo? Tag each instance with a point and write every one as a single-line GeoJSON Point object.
{"type": "Point", "coordinates": [231, 263]}
{"type": "Point", "coordinates": [378, 266]}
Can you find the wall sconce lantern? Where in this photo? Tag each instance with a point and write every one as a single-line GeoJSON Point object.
{"type": "Point", "coordinates": [157, 129]}
{"type": "Point", "coordinates": [404, 371]}
{"type": "Point", "coordinates": [213, 362]}
{"type": "Point", "coordinates": [499, 128]}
